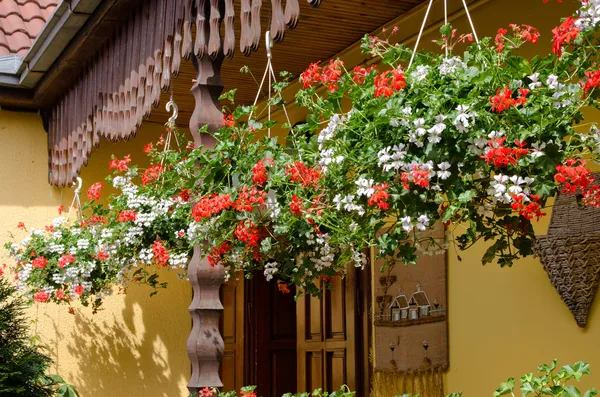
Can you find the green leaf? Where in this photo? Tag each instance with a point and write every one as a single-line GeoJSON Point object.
{"type": "Point", "coordinates": [505, 388]}
{"type": "Point", "coordinates": [466, 196]}
{"type": "Point", "coordinates": [571, 391]}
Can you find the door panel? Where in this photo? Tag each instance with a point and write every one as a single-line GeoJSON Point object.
{"type": "Point", "coordinates": [328, 331]}
{"type": "Point", "coordinates": [232, 330]}
{"type": "Point", "coordinates": [271, 362]}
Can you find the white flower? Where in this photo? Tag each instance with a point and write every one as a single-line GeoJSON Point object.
{"type": "Point", "coordinates": [56, 222]}
{"type": "Point", "coordinates": [407, 224]}
{"type": "Point", "coordinates": [451, 66]}
{"type": "Point", "coordinates": [444, 174]}
{"type": "Point", "coordinates": [394, 123]}
{"type": "Point", "coordinates": [146, 256]}
{"type": "Point", "coordinates": [462, 122]}
{"type": "Point", "coordinates": [496, 134]}
{"type": "Point", "coordinates": [271, 269]}
{"type": "Point", "coordinates": [535, 83]}
{"type": "Point", "coordinates": [365, 187]}
{"type": "Point", "coordinates": [328, 132]}
{"type": "Point", "coordinates": [553, 83]}
{"type": "Point", "coordinates": [420, 73]}
{"type": "Point", "coordinates": [422, 222]}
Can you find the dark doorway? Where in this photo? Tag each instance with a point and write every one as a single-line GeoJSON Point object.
{"type": "Point", "coordinates": [270, 338]}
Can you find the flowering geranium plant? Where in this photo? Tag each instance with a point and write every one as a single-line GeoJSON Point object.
{"type": "Point", "coordinates": [250, 391]}
{"type": "Point", "coordinates": [479, 141]}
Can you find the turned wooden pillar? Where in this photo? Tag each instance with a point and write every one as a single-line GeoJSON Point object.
{"type": "Point", "coordinates": [205, 343]}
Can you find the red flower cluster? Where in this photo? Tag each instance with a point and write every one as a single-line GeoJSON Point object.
{"type": "Point", "coordinates": [161, 254]}
{"type": "Point", "coordinates": [331, 75]}
{"type": "Point", "coordinates": [380, 196]}
{"type": "Point", "coordinates": [41, 297]}
{"type": "Point", "coordinates": [248, 198]}
{"type": "Point", "coordinates": [152, 174]}
{"type": "Point", "coordinates": [102, 256]}
{"type": "Point", "coordinates": [21, 225]}
{"type": "Point", "coordinates": [259, 171]}
{"type": "Point", "coordinates": [592, 81]}
{"type": "Point", "coordinates": [328, 75]}
{"type": "Point", "coordinates": [503, 99]}
{"type": "Point", "coordinates": [389, 82]}
{"type": "Point", "coordinates": [300, 173]}
{"type": "Point", "coordinates": [79, 290]}
{"type": "Point", "coordinates": [184, 195]}
{"type": "Point", "coordinates": [283, 287]}
{"type": "Point", "coordinates": [502, 156]}
{"type": "Point", "coordinates": [228, 121]}
{"type": "Point", "coordinates": [95, 190]}
{"type": "Point", "coordinates": [65, 260]}
{"type": "Point", "coordinates": [526, 32]}
{"type": "Point", "coordinates": [311, 75]}
{"type": "Point", "coordinates": [563, 34]}
{"type": "Point", "coordinates": [296, 206]}
{"type": "Point", "coordinates": [148, 148]}
{"type": "Point", "coordinates": [217, 253]}
{"type": "Point", "coordinates": [206, 392]}
{"type": "Point", "coordinates": [50, 228]}
{"type": "Point", "coordinates": [247, 232]}
{"type": "Point", "coordinates": [500, 39]}
{"type": "Point", "coordinates": [591, 197]}
{"type": "Point", "coordinates": [574, 175]}
{"type": "Point", "coordinates": [61, 209]}
{"type": "Point", "coordinates": [39, 262]}
{"type": "Point", "coordinates": [60, 295]}
{"type": "Point", "coordinates": [211, 205]}
{"type": "Point", "coordinates": [120, 165]}
{"type": "Point", "coordinates": [127, 216]}
{"type": "Point", "coordinates": [528, 211]}
{"type": "Point", "coordinates": [360, 74]}
{"type": "Point", "coordinates": [94, 220]}
{"type": "Point", "coordinates": [417, 175]}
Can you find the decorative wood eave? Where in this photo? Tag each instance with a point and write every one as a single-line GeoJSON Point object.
{"type": "Point", "coordinates": [122, 82]}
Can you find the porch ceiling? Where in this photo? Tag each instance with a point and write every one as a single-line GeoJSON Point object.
{"type": "Point", "coordinates": [321, 34]}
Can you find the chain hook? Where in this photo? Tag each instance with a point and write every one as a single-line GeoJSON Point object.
{"type": "Point", "coordinates": [79, 183]}
{"type": "Point", "coordinates": [268, 43]}
{"type": "Point", "coordinates": [172, 105]}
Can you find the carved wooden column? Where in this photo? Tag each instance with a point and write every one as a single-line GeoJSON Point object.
{"type": "Point", "coordinates": [205, 343]}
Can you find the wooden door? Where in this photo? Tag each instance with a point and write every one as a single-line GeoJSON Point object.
{"type": "Point", "coordinates": [270, 338]}
{"type": "Point", "coordinates": [329, 333]}
{"type": "Point", "coordinates": [232, 330]}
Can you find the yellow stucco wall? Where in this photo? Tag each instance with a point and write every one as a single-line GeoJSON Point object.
{"type": "Point", "coordinates": [502, 322]}
{"type": "Point", "coordinates": [136, 345]}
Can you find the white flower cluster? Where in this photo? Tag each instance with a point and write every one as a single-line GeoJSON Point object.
{"type": "Point", "coordinates": [178, 260]}
{"type": "Point", "coordinates": [83, 244]}
{"type": "Point", "coordinates": [324, 254]}
{"type": "Point", "coordinates": [420, 74]}
{"type": "Point", "coordinates": [564, 95]}
{"type": "Point", "coordinates": [146, 256]}
{"type": "Point", "coordinates": [452, 65]}
{"type": "Point", "coordinates": [328, 157]}
{"type": "Point", "coordinates": [359, 259]}
{"type": "Point", "coordinates": [409, 224]}
{"type": "Point", "coordinates": [25, 272]}
{"type": "Point", "coordinates": [56, 248]}
{"type": "Point", "coordinates": [271, 269]}
{"type": "Point", "coordinates": [464, 120]}
{"type": "Point", "coordinates": [589, 15]}
{"type": "Point", "coordinates": [328, 132]}
{"type": "Point", "coordinates": [391, 157]}
{"type": "Point", "coordinates": [503, 187]}
{"type": "Point", "coordinates": [348, 204]}
{"type": "Point", "coordinates": [365, 187]}
{"type": "Point", "coordinates": [58, 221]}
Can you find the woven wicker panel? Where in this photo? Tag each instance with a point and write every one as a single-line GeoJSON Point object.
{"type": "Point", "coordinates": [570, 253]}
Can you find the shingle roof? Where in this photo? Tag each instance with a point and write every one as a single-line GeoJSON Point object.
{"type": "Point", "coordinates": [20, 23]}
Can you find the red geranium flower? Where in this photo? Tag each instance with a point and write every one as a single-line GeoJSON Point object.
{"type": "Point", "coordinates": [296, 205]}
{"type": "Point", "coordinates": [41, 297]}
{"type": "Point", "coordinates": [39, 262]}
{"type": "Point", "coordinates": [148, 148]}
{"type": "Point", "coordinates": [563, 34]}
{"type": "Point", "coordinates": [283, 287]}
{"type": "Point", "coordinates": [65, 260]}
{"type": "Point", "coordinates": [95, 190]}
{"type": "Point", "coordinates": [79, 290]}
{"type": "Point", "coordinates": [120, 165]}
{"type": "Point", "coordinates": [161, 254]}
{"type": "Point", "coordinates": [102, 256]}
{"type": "Point", "coordinates": [228, 121]}
{"type": "Point", "coordinates": [152, 174]}
{"type": "Point", "coordinates": [127, 216]}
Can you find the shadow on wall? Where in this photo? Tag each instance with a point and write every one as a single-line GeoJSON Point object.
{"type": "Point", "coordinates": [138, 352]}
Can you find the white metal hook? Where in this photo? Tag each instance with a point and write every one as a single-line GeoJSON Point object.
{"type": "Point", "coordinates": [79, 184]}
{"type": "Point", "coordinates": [172, 105]}
{"type": "Point", "coordinates": [268, 43]}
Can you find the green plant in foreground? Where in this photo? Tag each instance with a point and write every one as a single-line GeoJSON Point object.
{"type": "Point", "coordinates": [23, 366]}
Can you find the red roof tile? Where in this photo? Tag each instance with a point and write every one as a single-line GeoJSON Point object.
{"type": "Point", "coordinates": [20, 23]}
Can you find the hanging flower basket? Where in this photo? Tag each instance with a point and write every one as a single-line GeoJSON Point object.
{"type": "Point", "coordinates": [570, 253]}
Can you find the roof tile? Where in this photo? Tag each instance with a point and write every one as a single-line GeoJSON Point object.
{"type": "Point", "coordinates": [20, 23]}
